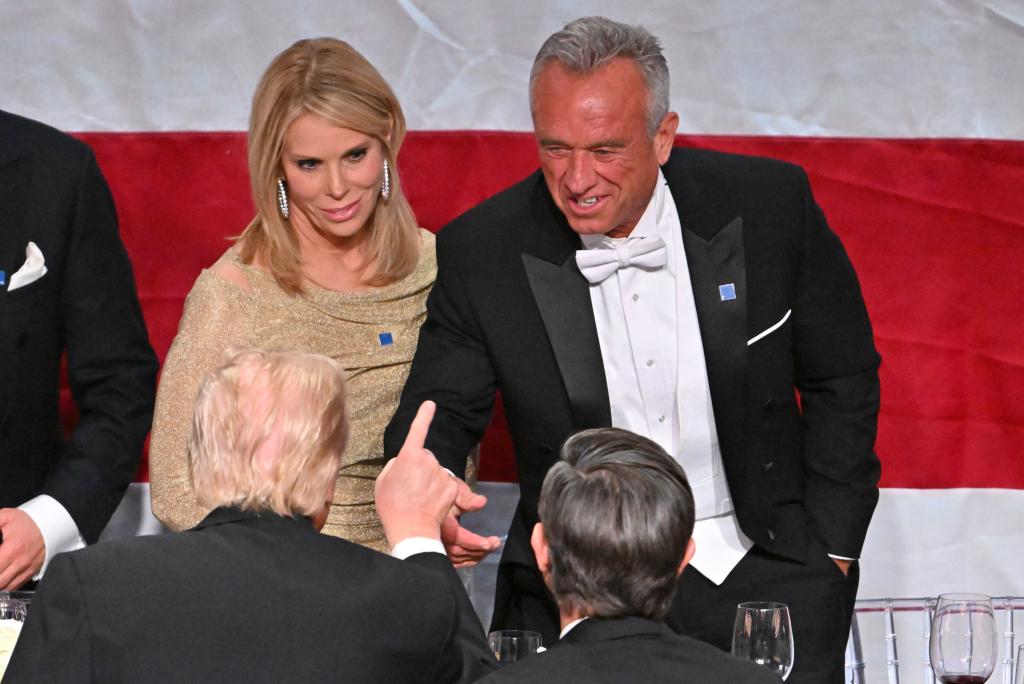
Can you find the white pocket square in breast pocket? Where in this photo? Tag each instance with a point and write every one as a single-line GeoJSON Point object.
{"type": "Point", "coordinates": [32, 270]}
{"type": "Point", "coordinates": [769, 331]}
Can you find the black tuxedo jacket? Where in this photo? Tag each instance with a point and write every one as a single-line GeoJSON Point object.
{"type": "Point", "coordinates": [631, 649]}
{"type": "Point", "coordinates": [53, 194]}
{"type": "Point", "coordinates": [510, 311]}
{"type": "Point", "coordinates": [248, 597]}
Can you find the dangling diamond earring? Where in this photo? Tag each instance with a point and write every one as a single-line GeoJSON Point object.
{"type": "Point", "coordinates": [282, 198]}
{"type": "Point", "coordinates": [385, 186]}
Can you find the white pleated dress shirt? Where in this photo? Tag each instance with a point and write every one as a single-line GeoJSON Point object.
{"type": "Point", "coordinates": [657, 379]}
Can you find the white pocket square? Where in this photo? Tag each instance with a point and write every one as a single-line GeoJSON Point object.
{"type": "Point", "coordinates": [32, 270]}
{"type": "Point", "coordinates": [770, 330]}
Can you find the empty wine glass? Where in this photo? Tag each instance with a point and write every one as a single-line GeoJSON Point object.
{"type": "Point", "coordinates": [510, 645]}
{"type": "Point", "coordinates": [963, 647]}
{"type": "Point", "coordinates": [763, 633]}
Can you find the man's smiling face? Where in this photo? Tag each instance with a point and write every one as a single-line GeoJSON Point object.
{"type": "Point", "coordinates": [598, 160]}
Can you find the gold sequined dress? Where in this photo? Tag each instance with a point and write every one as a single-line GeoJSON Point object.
{"type": "Point", "coordinates": [371, 333]}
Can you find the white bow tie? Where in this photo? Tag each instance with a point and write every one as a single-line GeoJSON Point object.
{"type": "Point", "coordinates": [598, 264]}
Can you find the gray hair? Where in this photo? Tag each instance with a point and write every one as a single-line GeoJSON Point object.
{"type": "Point", "coordinates": [587, 44]}
{"type": "Point", "coordinates": [618, 515]}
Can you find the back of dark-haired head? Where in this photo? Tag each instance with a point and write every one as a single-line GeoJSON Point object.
{"type": "Point", "coordinates": [589, 43]}
{"type": "Point", "coordinates": [618, 515]}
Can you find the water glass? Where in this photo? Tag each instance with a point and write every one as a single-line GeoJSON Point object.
{"type": "Point", "coordinates": [763, 634]}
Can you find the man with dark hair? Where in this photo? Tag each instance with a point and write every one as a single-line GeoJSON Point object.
{"type": "Point", "coordinates": [616, 515]}
{"type": "Point", "coordinates": [66, 291]}
{"type": "Point", "coordinates": [696, 298]}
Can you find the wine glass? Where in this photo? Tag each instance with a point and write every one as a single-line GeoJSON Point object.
{"type": "Point", "coordinates": [12, 614]}
{"type": "Point", "coordinates": [510, 645]}
{"type": "Point", "coordinates": [763, 633]}
{"type": "Point", "coordinates": [963, 647]}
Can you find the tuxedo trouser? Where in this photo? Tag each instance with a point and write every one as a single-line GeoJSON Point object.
{"type": "Point", "coordinates": [820, 599]}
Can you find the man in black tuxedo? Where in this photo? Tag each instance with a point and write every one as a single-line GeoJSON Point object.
{"type": "Point", "coordinates": [694, 297]}
{"type": "Point", "coordinates": [616, 517]}
{"type": "Point", "coordinates": [254, 593]}
{"type": "Point", "coordinates": [65, 286]}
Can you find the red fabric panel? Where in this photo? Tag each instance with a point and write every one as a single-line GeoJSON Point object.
{"type": "Point", "coordinates": [934, 227]}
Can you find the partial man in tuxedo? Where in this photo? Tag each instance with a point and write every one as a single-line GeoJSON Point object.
{"type": "Point", "coordinates": [66, 285]}
{"type": "Point", "coordinates": [693, 297]}
{"type": "Point", "coordinates": [616, 517]}
{"type": "Point", "coordinates": [254, 593]}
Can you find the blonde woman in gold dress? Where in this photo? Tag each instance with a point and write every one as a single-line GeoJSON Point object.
{"type": "Point", "coordinates": [333, 263]}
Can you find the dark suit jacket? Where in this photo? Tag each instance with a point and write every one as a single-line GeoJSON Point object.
{"type": "Point", "coordinates": [52, 193]}
{"type": "Point", "coordinates": [247, 597]}
{"type": "Point", "coordinates": [632, 649]}
{"type": "Point", "coordinates": [511, 312]}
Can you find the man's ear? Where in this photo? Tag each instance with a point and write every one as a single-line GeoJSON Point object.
{"type": "Point", "coordinates": [320, 517]}
{"type": "Point", "coordinates": [665, 136]}
{"type": "Point", "coordinates": [539, 544]}
{"type": "Point", "coordinates": [690, 548]}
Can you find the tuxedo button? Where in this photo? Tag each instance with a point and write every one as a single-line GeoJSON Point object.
{"type": "Point", "coordinates": [765, 467]}
{"type": "Point", "coordinates": [22, 338]}
{"type": "Point", "coordinates": [771, 533]}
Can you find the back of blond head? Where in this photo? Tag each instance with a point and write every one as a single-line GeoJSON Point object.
{"type": "Point", "coordinates": [327, 78]}
{"type": "Point", "coordinates": [268, 431]}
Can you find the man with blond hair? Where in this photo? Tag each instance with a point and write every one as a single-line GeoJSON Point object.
{"type": "Point", "coordinates": [254, 593]}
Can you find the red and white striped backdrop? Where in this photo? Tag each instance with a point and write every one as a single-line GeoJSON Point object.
{"type": "Point", "coordinates": [906, 114]}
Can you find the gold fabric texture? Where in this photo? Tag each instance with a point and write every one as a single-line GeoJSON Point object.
{"type": "Point", "coordinates": [343, 325]}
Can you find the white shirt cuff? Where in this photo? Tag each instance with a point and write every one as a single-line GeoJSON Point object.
{"type": "Point", "coordinates": [832, 555]}
{"type": "Point", "coordinates": [413, 545]}
{"type": "Point", "coordinates": [60, 533]}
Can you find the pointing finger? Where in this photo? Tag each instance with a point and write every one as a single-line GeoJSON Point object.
{"type": "Point", "coordinates": [417, 435]}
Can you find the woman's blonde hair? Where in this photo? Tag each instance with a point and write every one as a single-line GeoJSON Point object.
{"type": "Point", "coordinates": [327, 78]}
{"type": "Point", "coordinates": [268, 431]}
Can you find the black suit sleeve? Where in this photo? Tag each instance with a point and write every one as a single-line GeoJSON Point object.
{"type": "Point", "coordinates": [837, 378]}
{"type": "Point", "coordinates": [466, 657]}
{"type": "Point", "coordinates": [111, 366]}
{"type": "Point", "coordinates": [451, 367]}
{"type": "Point", "coordinates": [54, 645]}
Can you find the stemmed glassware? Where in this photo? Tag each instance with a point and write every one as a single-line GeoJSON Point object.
{"type": "Point", "coordinates": [510, 645]}
{"type": "Point", "coordinates": [12, 614]}
{"type": "Point", "coordinates": [763, 633]}
{"type": "Point", "coordinates": [963, 647]}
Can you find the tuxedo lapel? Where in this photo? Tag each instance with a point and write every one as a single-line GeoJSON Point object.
{"type": "Point", "coordinates": [719, 281]}
{"type": "Point", "coordinates": [15, 187]}
{"type": "Point", "coordinates": [562, 296]}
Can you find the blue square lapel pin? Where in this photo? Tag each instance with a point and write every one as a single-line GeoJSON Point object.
{"type": "Point", "coordinates": [385, 338]}
{"type": "Point", "coordinates": [727, 291]}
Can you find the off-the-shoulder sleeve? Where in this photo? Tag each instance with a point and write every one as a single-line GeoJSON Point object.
{"type": "Point", "coordinates": [214, 318]}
